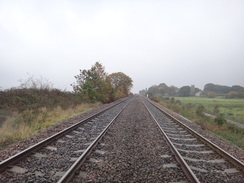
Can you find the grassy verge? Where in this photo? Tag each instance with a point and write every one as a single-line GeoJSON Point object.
{"type": "Point", "coordinates": [230, 108]}
{"type": "Point", "coordinates": [29, 122]}
{"type": "Point", "coordinates": [221, 128]}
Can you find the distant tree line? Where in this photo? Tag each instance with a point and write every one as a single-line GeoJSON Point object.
{"type": "Point", "coordinates": [96, 85]}
{"type": "Point", "coordinates": [210, 90]}
{"type": "Point", "coordinates": [164, 90]}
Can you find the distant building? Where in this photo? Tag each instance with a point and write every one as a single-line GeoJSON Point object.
{"type": "Point", "coordinates": [198, 94]}
{"type": "Point", "coordinates": [192, 90]}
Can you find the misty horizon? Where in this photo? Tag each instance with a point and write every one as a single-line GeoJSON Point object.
{"type": "Point", "coordinates": [179, 43]}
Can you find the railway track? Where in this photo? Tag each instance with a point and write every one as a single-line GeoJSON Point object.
{"type": "Point", "coordinates": [132, 150]}
{"type": "Point", "coordinates": [208, 162]}
{"type": "Point", "coordinates": [133, 142]}
{"type": "Point", "coordinates": [49, 159]}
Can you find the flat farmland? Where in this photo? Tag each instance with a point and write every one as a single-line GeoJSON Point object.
{"type": "Point", "coordinates": [232, 109]}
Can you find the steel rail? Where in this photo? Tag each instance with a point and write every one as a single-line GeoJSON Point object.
{"type": "Point", "coordinates": [17, 157]}
{"type": "Point", "coordinates": [186, 169]}
{"type": "Point", "coordinates": [78, 163]}
{"type": "Point", "coordinates": [220, 151]}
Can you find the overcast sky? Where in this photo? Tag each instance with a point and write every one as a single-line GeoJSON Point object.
{"type": "Point", "coordinates": [177, 42]}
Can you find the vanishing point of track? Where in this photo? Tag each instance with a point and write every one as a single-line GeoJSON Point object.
{"type": "Point", "coordinates": [134, 141]}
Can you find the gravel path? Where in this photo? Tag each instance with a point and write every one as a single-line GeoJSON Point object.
{"type": "Point", "coordinates": [228, 120]}
{"type": "Point", "coordinates": [133, 150]}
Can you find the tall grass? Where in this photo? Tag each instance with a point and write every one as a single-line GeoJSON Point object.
{"type": "Point", "coordinates": [27, 123]}
{"type": "Point", "coordinates": [33, 107]}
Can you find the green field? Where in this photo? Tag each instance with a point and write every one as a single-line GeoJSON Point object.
{"type": "Point", "coordinates": [231, 108]}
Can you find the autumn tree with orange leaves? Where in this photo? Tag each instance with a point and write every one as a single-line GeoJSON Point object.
{"type": "Point", "coordinates": [121, 83]}
{"type": "Point", "coordinates": [96, 85]}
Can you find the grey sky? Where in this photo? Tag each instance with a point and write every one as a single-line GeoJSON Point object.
{"type": "Point", "coordinates": [178, 42]}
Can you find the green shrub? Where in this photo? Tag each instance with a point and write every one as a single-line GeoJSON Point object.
{"type": "Point", "coordinates": [200, 110]}
{"type": "Point", "coordinates": [220, 120]}
{"type": "Point", "coordinates": [216, 109]}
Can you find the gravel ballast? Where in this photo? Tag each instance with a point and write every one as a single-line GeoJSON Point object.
{"type": "Point", "coordinates": [133, 150]}
{"type": "Point", "coordinates": [50, 162]}
{"type": "Point", "coordinates": [207, 165]}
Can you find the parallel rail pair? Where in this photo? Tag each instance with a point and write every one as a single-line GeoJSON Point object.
{"type": "Point", "coordinates": [69, 174]}
{"type": "Point", "coordinates": [186, 168]}
{"type": "Point", "coordinates": [27, 152]}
